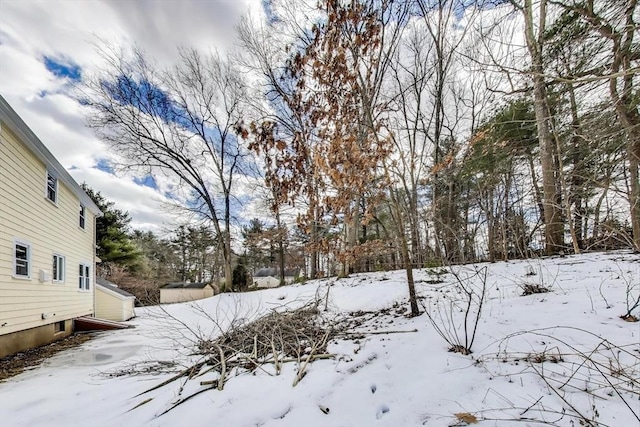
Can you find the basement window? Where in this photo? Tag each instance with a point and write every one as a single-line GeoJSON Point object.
{"type": "Point", "coordinates": [59, 327]}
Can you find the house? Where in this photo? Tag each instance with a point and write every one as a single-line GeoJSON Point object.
{"type": "Point", "coordinates": [113, 303]}
{"type": "Point", "coordinates": [185, 291]}
{"type": "Point", "coordinates": [270, 277]}
{"type": "Point", "coordinates": [47, 241]}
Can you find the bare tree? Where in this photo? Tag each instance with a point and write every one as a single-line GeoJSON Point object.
{"type": "Point", "coordinates": [535, 40]}
{"type": "Point", "coordinates": [180, 123]}
{"type": "Point", "coordinates": [444, 118]}
{"type": "Point", "coordinates": [616, 22]}
{"type": "Point", "coordinates": [281, 132]}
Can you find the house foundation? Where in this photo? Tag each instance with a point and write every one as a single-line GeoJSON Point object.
{"type": "Point", "coordinates": [34, 337]}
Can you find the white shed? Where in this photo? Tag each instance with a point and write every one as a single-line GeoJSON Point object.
{"type": "Point", "coordinates": [113, 303]}
{"type": "Point", "coordinates": [184, 292]}
{"type": "Point", "coordinates": [270, 277]}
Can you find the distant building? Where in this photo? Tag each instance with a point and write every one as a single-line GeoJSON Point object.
{"type": "Point", "coordinates": [270, 277]}
{"type": "Point", "coordinates": [185, 291]}
{"type": "Point", "coordinates": [47, 241]}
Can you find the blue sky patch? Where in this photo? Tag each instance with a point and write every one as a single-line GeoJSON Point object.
{"type": "Point", "coordinates": [148, 98]}
{"type": "Point", "coordinates": [147, 181]}
{"type": "Point", "coordinates": [105, 166]}
{"type": "Point", "coordinates": [63, 69]}
{"type": "Point", "coordinates": [267, 7]}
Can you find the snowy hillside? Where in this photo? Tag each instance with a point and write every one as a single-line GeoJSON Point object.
{"type": "Point", "coordinates": [562, 358]}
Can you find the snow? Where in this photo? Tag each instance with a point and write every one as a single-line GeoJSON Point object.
{"type": "Point", "coordinates": [395, 379]}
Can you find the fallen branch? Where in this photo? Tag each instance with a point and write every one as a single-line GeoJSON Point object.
{"type": "Point", "coordinates": [378, 332]}
{"type": "Point", "coordinates": [141, 403]}
{"type": "Point", "coordinates": [181, 401]}
{"type": "Point", "coordinates": [223, 371]}
{"type": "Point", "coordinates": [172, 379]}
{"type": "Point", "coordinates": [302, 369]}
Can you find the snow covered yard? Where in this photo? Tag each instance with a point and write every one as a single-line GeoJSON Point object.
{"type": "Point", "coordinates": [561, 358]}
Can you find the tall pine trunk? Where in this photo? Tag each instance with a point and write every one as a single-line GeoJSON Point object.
{"type": "Point", "coordinates": [553, 224]}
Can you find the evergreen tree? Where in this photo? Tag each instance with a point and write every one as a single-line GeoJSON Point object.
{"type": "Point", "coordinates": [240, 276]}
{"type": "Point", "coordinates": [114, 244]}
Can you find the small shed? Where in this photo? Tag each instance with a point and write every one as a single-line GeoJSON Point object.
{"type": "Point", "coordinates": [270, 277]}
{"type": "Point", "coordinates": [113, 303]}
{"type": "Point", "coordinates": [185, 291]}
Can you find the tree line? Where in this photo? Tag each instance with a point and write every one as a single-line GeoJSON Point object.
{"type": "Point", "coordinates": [399, 133]}
{"type": "Point", "coordinates": [141, 261]}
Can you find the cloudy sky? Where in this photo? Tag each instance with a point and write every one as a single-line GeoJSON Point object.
{"type": "Point", "coordinates": [46, 45]}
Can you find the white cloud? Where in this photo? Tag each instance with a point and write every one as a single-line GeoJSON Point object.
{"type": "Point", "coordinates": [146, 206]}
{"type": "Point", "coordinates": [67, 31]}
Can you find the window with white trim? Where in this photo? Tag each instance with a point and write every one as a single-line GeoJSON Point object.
{"type": "Point", "coordinates": [84, 277]}
{"type": "Point", "coordinates": [52, 188]}
{"type": "Point", "coordinates": [82, 216]}
{"type": "Point", "coordinates": [58, 268]}
{"type": "Point", "coordinates": [21, 259]}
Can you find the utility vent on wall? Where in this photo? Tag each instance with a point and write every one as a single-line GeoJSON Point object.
{"type": "Point", "coordinates": [45, 276]}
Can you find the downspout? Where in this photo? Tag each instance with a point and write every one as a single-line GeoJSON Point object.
{"type": "Point", "coordinates": [94, 274]}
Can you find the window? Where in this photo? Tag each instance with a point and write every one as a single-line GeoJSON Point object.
{"type": "Point", "coordinates": [22, 260]}
{"type": "Point", "coordinates": [58, 268]}
{"type": "Point", "coordinates": [82, 213]}
{"type": "Point", "coordinates": [84, 278]}
{"type": "Point", "coordinates": [52, 188]}
{"type": "Point", "coordinates": [59, 327]}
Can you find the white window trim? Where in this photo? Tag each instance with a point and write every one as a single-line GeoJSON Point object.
{"type": "Point", "coordinates": [86, 288]}
{"type": "Point", "coordinates": [46, 187]}
{"type": "Point", "coordinates": [26, 243]}
{"type": "Point", "coordinates": [64, 269]}
{"type": "Point", "coordinates": [82, 214]}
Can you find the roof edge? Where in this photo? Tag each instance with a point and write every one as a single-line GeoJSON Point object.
{"type": "Point", "coordinates": [115, 294]}
{"type": "Point", "coordinates": [35, 145]}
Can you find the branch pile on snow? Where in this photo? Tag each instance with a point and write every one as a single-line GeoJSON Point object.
{"type": "Point", "coordinates": [299, 335]}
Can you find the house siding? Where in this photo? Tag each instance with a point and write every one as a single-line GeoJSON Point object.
{"type": "Point", "coordinates": [110, 307]}
{"type": "Point", "coordinates": [27, 215]}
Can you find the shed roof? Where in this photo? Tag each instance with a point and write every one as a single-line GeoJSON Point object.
{"type": "Point", "coordinates": [185, 285]}
{"type": "Point", "coordinates": [112, 287]}
{"type": "Point", "coordinates": [274, 272]}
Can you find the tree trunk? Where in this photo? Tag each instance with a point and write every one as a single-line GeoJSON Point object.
{"type": "Point", "coordinates": [404, 253]}
{"type": "Point", "coordinates": [628, 113]}
{"type": "Point", "coordinates": [622, 74]}
{"type": "Point", "coordinates": [352, 227]}
{"type": "Point", "coordinates": [566, 199]}
{"type": "Point", "coordinates": [416, 246]}
{"type": "Point", "coordinates": [576, 187]}
{"type": "Point", "coordinates": [553, 226]}
{"type": "Point", "coordinates": [491, 240]}
{"type": "Point", "coordinates": [228, 272]}
{"type": "Point", "coordinates": [280, 235]}
{"type": "Point", "coordinates": [313, 268]}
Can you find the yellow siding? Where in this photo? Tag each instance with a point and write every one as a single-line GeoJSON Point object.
{"type": "Point", "coordinates": [26, 214]}
{"type": "Point", "coordinates": [168, 296]}
{"type": "Point", "coordinates": [129, 309]}
{"type": "Point", "coordinates": [111, 307]}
